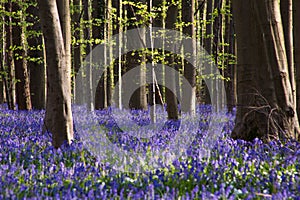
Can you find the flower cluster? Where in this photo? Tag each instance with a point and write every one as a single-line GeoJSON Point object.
{"type": "Point", "coordinates": [31, 168]}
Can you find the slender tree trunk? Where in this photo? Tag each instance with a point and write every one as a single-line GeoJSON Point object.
{"type": "Point", "coordinates": [208, 43]}
{"type": "Point", "coordinates": [229, 66]}
{"type": "Point", "coordinates": [188, 10]}
{"type": "Point", "coordinates": [2, 55]}
{"type": "Point", "coordinates": [58, 118]}
{"type": "Point", "coordinates": [155, 91]}
{"type": "Point", "coordinates": [117, 27]}
{"type": "Point", "coordinates": [101, 98]}
{"type": "Point", "coordinates": [36, 65]}
{"type": "Point", "coordinates": [9, 64]}
{"type": "Point", "coordinates": [215, 96]}
{"type": "Point", "coordinates": [110, 70]}
{"type": "Point", "coordinates": [1, 87]}
{"type": "Point", "coordinates": [265, 100]}
{"type": "Point", "coordinates": [297, 50]}
{"type": "Point", "coordinates": [171, 100]}
{"type": "Point", "coordinates": [20, 56]}
{"type": "Point", "coordinates": [286, 8]}
{"type": "Point", "coordinates": [88, 49]}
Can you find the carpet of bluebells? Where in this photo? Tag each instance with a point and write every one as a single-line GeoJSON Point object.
{"type": "Point", "coordinates": [30, 168]}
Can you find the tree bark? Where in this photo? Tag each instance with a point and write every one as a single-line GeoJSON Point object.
{"type": "Point", "coordinates": [58, 118]}
{"type": "Point", "coordinates": [189, 103]}
{"type": "Point", "coordinates": [63, 7]}
{"type": "Point", "coordinates": [286, 8]}
{"type": "Point", "coordinates": [2, 55]}
{"type": "Point", "coordinates": [265, 100]}
{"type": "Point", "coordinates": [171, 100]}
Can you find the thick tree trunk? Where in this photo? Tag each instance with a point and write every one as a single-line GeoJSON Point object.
{"type": "Point", "coordinates": [35, 63]}
{"type": "Point", "coordinates": [265, 100]}
{"type": "Point", "coordinates": [189, 103]}
{"type": "Point", "coordinates": [58, 118]}
{"type": "Point", "coordinates": [63, 7]}
{"type": "Point", "coordinates": [20, 54]}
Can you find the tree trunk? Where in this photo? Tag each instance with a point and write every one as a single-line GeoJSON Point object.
{"type": "Point", "coordinates": [138, 99]}
{"type": "Point", "coordinates": [88, 49]}
{"type": "Point", "coordinates": [10, 68]}
{"type": "Point", "coordinates": [155, 91]}
{"type": "Point", "coordinates": [77, 58]}
{"type": "Point", "coordinates": [208, 43]}
{"type": "Point", "coordinates": [36, 65]}
{"type": "Point", "coordinates": [2, 55]}
{"type": "Point", "coordinates": [286, 8]}
{"type": "Point", "coordinates": [20, 56]}
{"type": "Point", "coordinates": [63, 7]}
{"type": "Point", "coordinates": [216, 93]}
{"type": "Point", "coordinates": [265, 100]}
{"type": "Point", "coordinates": [171, 100]}
{"type": "Point", "coordinates": [101, 96]}
{"type": "Point", "coordinates": [229, 66]}
{"type": "Point", "coordinates": [297, 50]}
{"type": "Point", "coordinates": [189, 103]}
{"type": "Point", "coordinates": [58, 118]}
{"type": "Point", "coordinates": [1, 87]}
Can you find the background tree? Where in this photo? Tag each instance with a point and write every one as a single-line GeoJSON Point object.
{"type": "Point", "coordinates": [137, 58]}
{"type": "Point", "coordinates": [296, 31]}
{"type": "Point", "coordinates": [171, 100]}
{"type": "Point", "coordinates": [88, 48]}
{"type": "Point", "coordinates": [286, 9]}
{"type": "Point", "coordinates": [58, 118]}
{"type": "Point", "coordinates": [8, 59]}
{"type": "Point", "coordinates": [188, 10]}
{"type": "Point", "coordinates": [20, 57]}
{"type": "Point", "coordinates": [229, 51]}
{"type": "Point", "coordinates": [103, 91]}
{"type": "Point", "coordinates": [2, 53]}
{"type": "Point", "coordinates": [35, 57]}
{"type": "Point", "coordinates": [77, 52]}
